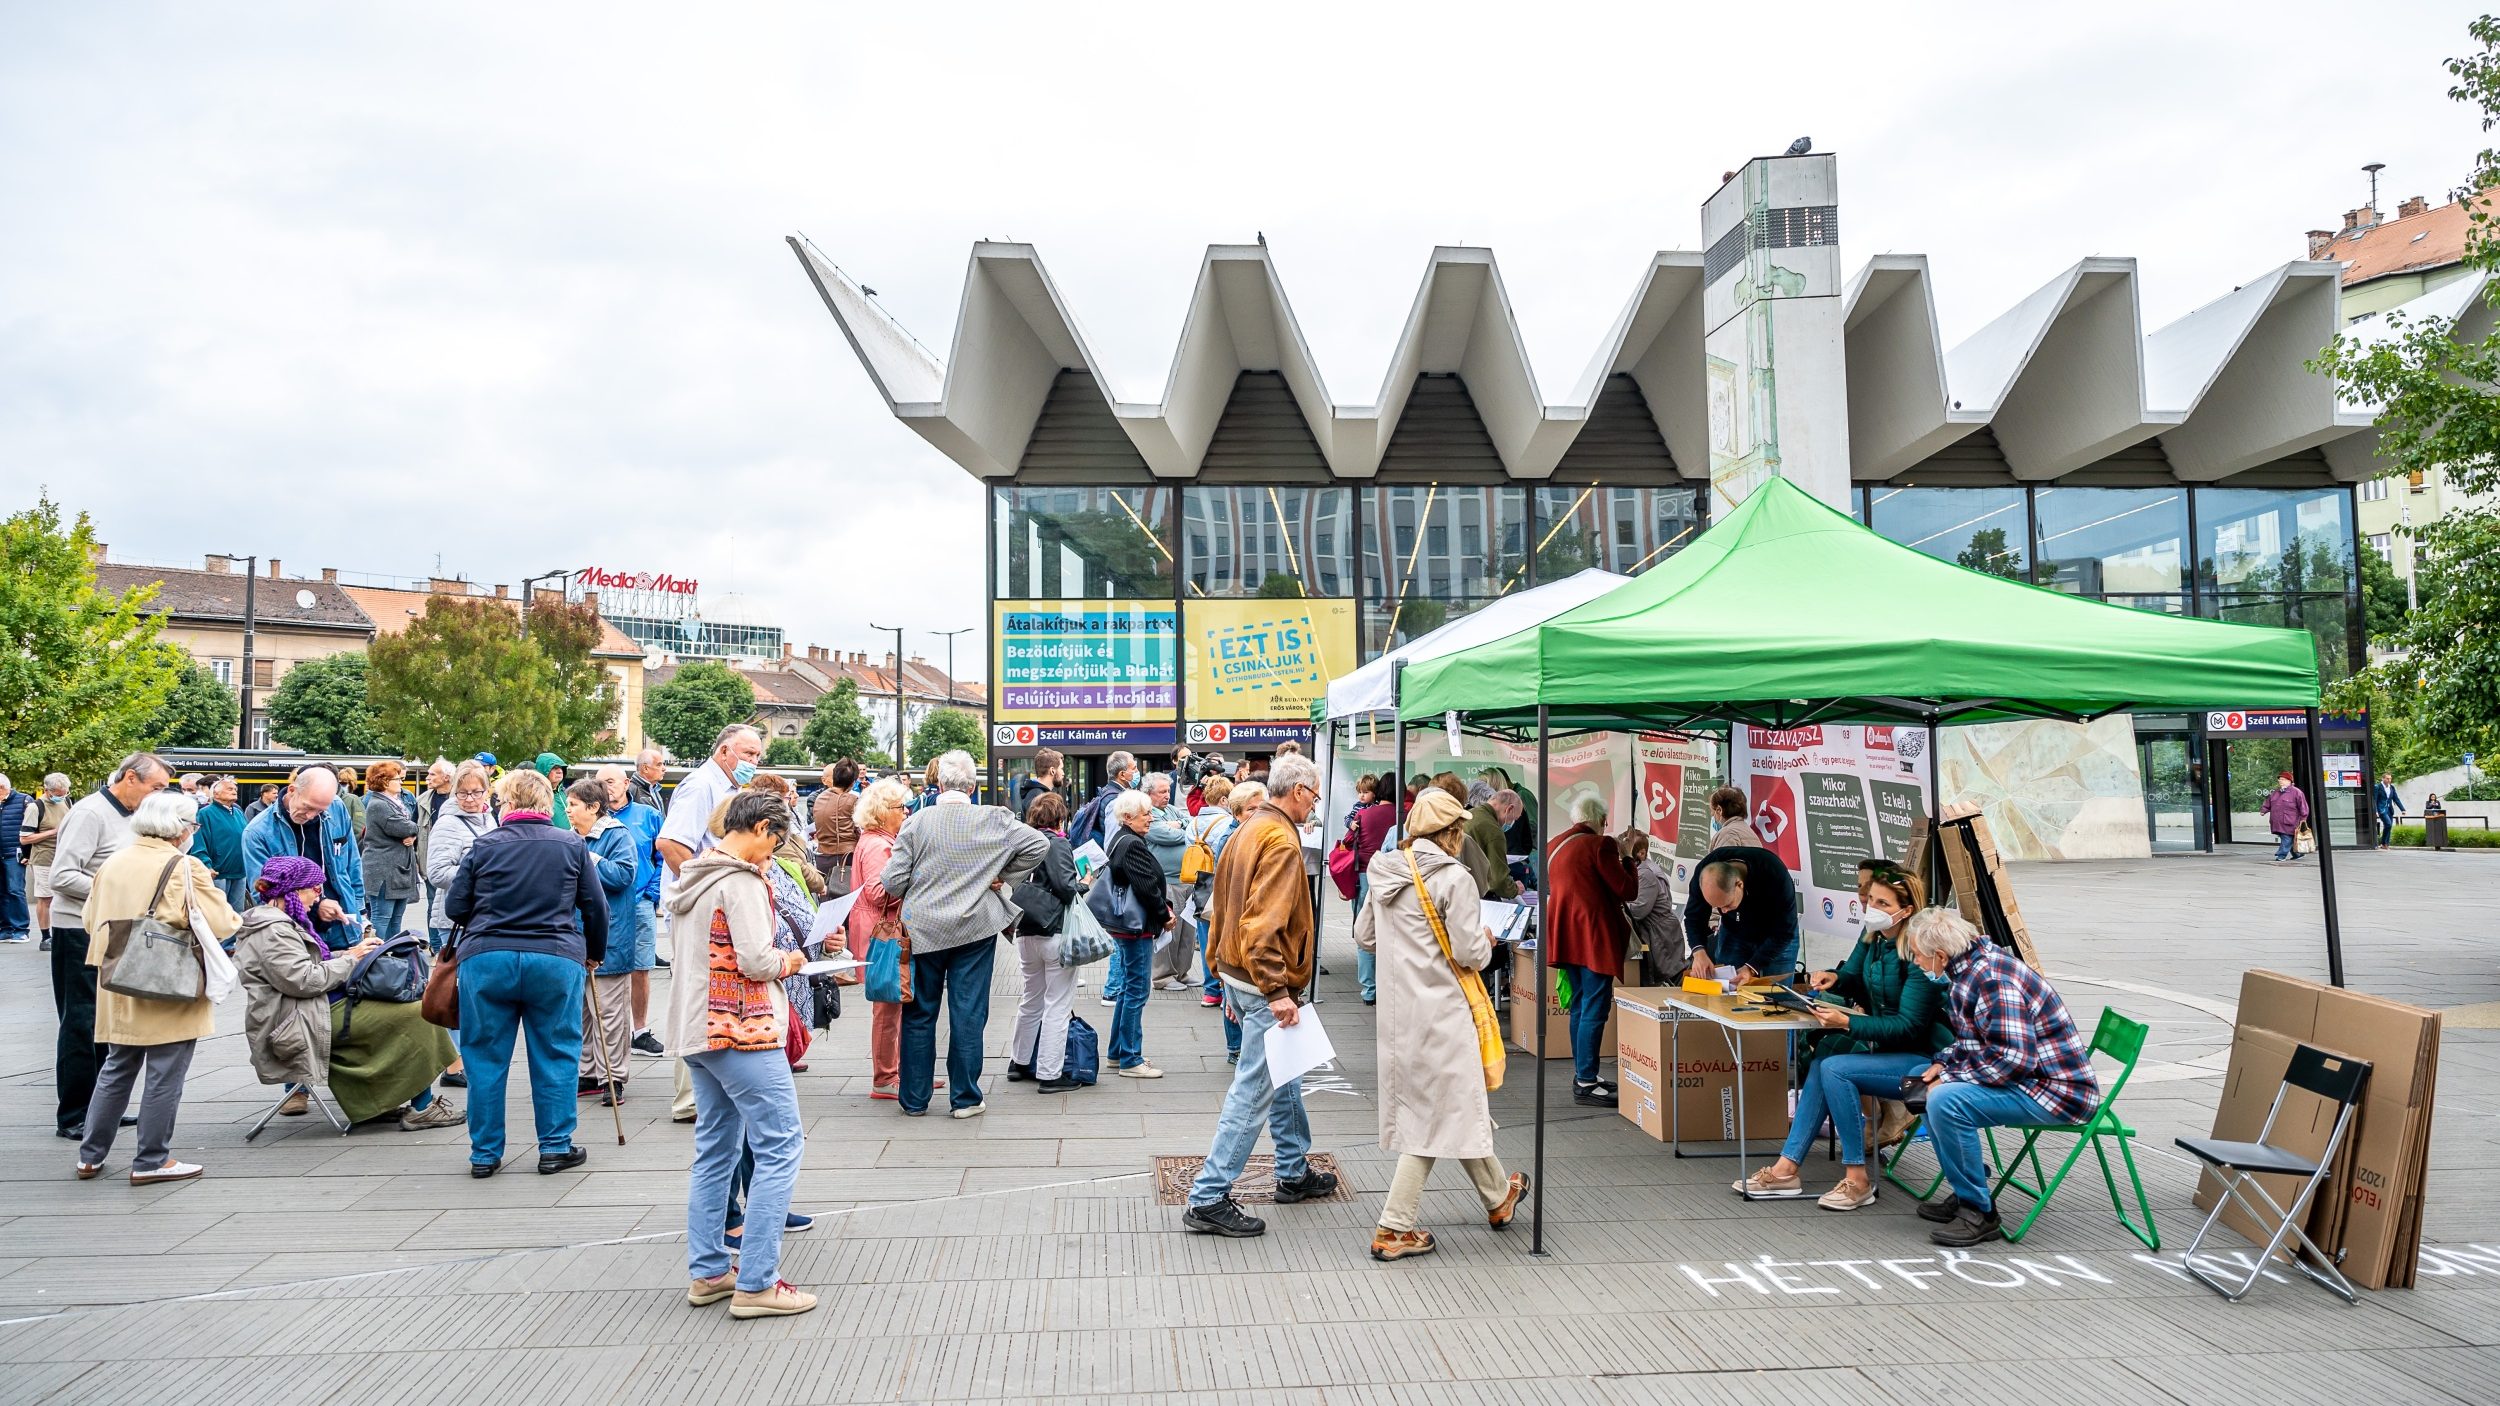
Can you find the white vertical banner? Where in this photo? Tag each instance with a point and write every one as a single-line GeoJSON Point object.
{"type": "Point", "coordinates": [1824, 798]}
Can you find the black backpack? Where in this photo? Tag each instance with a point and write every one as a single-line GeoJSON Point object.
{"type": "Point", "coordinates": [394, 972]}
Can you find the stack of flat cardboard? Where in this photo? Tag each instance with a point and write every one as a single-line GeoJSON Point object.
{"type": "Point", "coordinates": [1980, 889]}
{"type": "Point", "coordinates": [2370, 1208]}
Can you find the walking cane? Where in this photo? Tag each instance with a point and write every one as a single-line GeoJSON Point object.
{"type": "Point", "coordinates": [599, 1032]}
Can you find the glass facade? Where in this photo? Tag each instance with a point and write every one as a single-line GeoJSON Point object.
{"type": "Point", "coordinates": [1984, 529]}
{"type": "Point", "coordinates": [1434, 552]}
{"type": "Point", "coordinates": [2123, 545]}
{"type": "Point", "coordinates": [1623, 530]}
{"type": "Point", "coordinates": [1267, 542]}
{"type": "Point", "coordinates": [2280, 556]}
{"type": "Point", "coordinates": [1053, 543]}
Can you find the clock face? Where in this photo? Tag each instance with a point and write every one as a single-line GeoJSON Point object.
{"type": "Point", "coordinates": [304, 600]}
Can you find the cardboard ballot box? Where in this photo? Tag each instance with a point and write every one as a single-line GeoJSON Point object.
{"type": "Point", "coordinates": [2370, 1207]}
{"type": "Point", "coordinates": [1702, 1080]}
{"type": "Point", "coordinates": [1557, 1020]}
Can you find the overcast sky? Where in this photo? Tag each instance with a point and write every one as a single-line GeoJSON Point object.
{"type": "Point", "coordinates": [365, 286]}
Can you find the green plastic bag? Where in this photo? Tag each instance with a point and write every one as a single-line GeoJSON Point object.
{"type": "Point", "coordinates": [1562, 988]}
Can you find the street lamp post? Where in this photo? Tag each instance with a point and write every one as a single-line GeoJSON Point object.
{"type": "Point", "coordinates": [897, 632]}
{"type": "Point", "coordinates": [949, 637]}
{"type": "Point", "coordinates": [251, 617]}
{"type": "Point", "coordinates": [529, 588]}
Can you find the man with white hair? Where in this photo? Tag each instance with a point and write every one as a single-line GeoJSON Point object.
{"type": "Point", "coordinates": [97, 829]}
{"type": "Point", "coordinates": [37, 831]}
{"type": "Point", "coordinates": [13, 914]}
{"type": "Point", "coordinates": [643, 787]}
{"type": "Point", "coordinates": [311, 821]}
{"type": "Point", "coordinates": [952, 866]}
{"type": "Point", "coordinates": [1263, 948]}
{"type": "Point", "coordinates": [220, 840]}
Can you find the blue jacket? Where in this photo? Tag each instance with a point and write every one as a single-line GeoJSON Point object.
{"type": "Point", "coordinates": [12, 817]}
{"type": "Point", "coordinates": [219, 843]}
{"type": "Point", "coordinates": [527, 886]}
{"type": "Point", "coordinates": [612, 858]}
{"type": "Point", "coordinates": [645, 824]}
{"type": "Point", "coordinates": [269, 836]}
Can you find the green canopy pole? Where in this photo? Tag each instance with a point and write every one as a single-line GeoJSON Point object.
{"type": "Point", "coordinates": [2315, 784]}
{"type": "Point", "coordinates": [1544, 905]}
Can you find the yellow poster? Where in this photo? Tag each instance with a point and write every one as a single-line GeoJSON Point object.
{"type": "Point", "coordinates": [1263, 660]}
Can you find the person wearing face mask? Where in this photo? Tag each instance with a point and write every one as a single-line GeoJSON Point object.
{"type": "Point", "coordinates": [1728, 827]}
{"type": "Point", "coordinates": [1896, 1033]}
{"type": "Point", "coordinates": [2016, 1057]}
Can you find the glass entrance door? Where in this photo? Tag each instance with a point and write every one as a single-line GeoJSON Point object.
{"type": "Point", "coordinates": [2174, 792]}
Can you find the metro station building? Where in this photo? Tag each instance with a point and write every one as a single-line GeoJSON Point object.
{"type": "Point", "coordinates": [2197, 468]}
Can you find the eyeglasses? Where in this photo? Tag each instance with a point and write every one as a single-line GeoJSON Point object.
{"type": "Point", "coordinates": [467, 791]}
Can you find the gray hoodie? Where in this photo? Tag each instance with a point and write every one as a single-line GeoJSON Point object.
{"type": "Point", "coordinates": [717, 881]}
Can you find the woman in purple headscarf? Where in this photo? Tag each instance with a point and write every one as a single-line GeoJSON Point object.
{"type": "Point", "coordinates": [294, 984]}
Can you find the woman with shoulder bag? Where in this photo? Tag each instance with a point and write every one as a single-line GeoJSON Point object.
{"type": "Point", "coordinates": [1657, 924]}
{"type": "Point", "coordinates": [879, 816]}
{"type": "Point", "coordinates": [1423, 928]}
{"type": "Point", "coordinates": [143, 896]}
{"type": "Point", "coordinates": [1133, 906]}
{"type": "Point", "coordinates": [1039, 1050]}
{"type": "Point", "coordinates": [303, 1026]}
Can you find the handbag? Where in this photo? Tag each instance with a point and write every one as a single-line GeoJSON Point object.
{"type": "Point", "coordinates": [440, 1004]}
{"type": "Point", "coordinates": [1082, 939]}
{"type": "Point", "coordinates": [2304, 840]}
{"type": "Point", "coordinates": [1126, 913]}
{"type": "Point", "coordinates": [889, 962]}
{"type": "Point", "coordinates": [150, 960]}
{"type": "Point", "coordinates": [1084, 1058]}
{"type": "Point", "coordinates": [1489, 1047]}
{"type": "Point", "coordinates": [1341, 870]}
{"type": "Point", "coordinates": [394, 972]}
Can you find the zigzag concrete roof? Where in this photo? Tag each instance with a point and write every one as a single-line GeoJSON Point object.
{"type": "Point", "coordinates": [2064, 378]}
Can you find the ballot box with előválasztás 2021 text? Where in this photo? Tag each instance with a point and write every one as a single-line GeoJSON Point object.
{"type": "Point", "coordinates": [1661, 1052]}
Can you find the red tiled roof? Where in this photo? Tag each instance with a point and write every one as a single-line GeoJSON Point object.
{"type": "Point", "coordinates": [2432, 239]}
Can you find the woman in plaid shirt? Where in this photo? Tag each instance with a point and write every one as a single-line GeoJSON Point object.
{"type": "Point", "coordinates": [2016, 1057]}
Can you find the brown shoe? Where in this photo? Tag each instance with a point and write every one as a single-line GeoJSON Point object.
{"type": "Point", "coordinates": [87, 1170]}
{"type": "Point", "coordinates": [779, 1301]}
{"type": "Point", "coordinates": [1845, 1197]}
{"type": "Point", "coordinates": [1500, 1216]}
{"type": "Point", "coordinates": [700, 1292]}
{"type": "Point", "coordinates": [1762, 1186]}
{"type": "Point", "coordinates": [1390, 1244]}
{"type": "Point", "coordinates": [297, 1105]}
{"type": "Point", "coordinates": [1896, 1124]}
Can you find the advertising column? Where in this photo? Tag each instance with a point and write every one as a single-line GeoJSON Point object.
{"type": "Point", "coordinates": [1825, 798]}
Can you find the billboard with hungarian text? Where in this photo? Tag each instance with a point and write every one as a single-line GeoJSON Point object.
{"type": "Point", "coordinates": [1084, 661]}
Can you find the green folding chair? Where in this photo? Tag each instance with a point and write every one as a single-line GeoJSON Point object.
{"type": "Point", "coordinates": [2122, 1040]}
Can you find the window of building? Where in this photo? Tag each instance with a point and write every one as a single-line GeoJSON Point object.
{"type": "Point", "coordinates": [1648, 526]}
{"type": "Point", "coordinates": [2125, 545]}
{"type": "Point", "coordinates": [2281, 556]}
{"type": "Point", "coordinates": [2384, 543]}
{"type": "Point", "coordinates": [1273, 541]}
{"type": "Point", "coordinates": [1984, 529]}
{"type": "Point", "coordinates": [1413, 582]}
{"type": "Point", "coordinates": [222, 670]}
{"type": "Point", "coordinates": [1081, 543]}
{"type": "Point", "coordinates": [2374, 491]}
{"type": "Point", "coordinates": [264, 672]}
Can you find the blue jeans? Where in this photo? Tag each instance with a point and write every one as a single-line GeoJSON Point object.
{"type": "Point", "coordinates": [1251, 1101]}
{"type": "Point", "coordinates": [743, 1099]}
{"type": "Point", "coordinates": [1592, 1000]}
{"type": "Point", "coordinates": [1132, 963]}
{"type": "Point", "coordinates": [1832, 1087]}
{"type": "Point", "coordinates": [967, 970]}
{"type": "Point", "coordinates": [1955, 1114]}
{"type": "Point", "coordinates": [14, 916]}
{"type": "Point", "coordinates": [636, 948]}
{"type": "Point", "coordinates": [1365, 963]}
{"type": "Point", "coordinates": [436, 937]}
{"type": "Point", "coordinates": [2283, 846]}
{"type": "Point", "coordinates": [1214, 985]}
{"type": "Point", "coordinates": [538, 994]}
{"type": "Point", "coordinates": [385, 915]}
{"type": "Point", "coordinates": [238, 897]}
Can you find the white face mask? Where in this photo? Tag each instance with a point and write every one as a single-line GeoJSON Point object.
{"type": "Point", "coordinates": [1876, 920]}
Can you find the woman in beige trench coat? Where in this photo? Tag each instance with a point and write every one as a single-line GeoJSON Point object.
{"type": "Point", "coordinates": [1432, 1098]}
{"type": "Point", "coordinates": [157, 1036]}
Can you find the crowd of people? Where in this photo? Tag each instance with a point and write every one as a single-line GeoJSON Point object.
{"type": "Point", "coordinates": [334, 901]}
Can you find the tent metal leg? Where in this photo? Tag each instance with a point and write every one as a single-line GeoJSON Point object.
{"type": "Point", "coordinates": [1544, 801]}
{"type": "Point", "coordinates": [1931, 864]}
{"type": "Point", "coordinates": [2315, 784]}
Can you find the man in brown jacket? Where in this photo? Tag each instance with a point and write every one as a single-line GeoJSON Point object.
{"type": "Point", "coordinates": [1261, 929]}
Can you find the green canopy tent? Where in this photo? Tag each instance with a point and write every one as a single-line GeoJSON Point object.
{"type": "Point", "coordinates": [1789, 613]}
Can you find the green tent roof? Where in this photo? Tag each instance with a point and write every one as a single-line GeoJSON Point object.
{"type": "Point", "coordinates": [1789, 612]}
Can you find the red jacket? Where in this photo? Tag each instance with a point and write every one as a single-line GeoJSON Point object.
{"type": "Point", "coordinates": [1589, 883]}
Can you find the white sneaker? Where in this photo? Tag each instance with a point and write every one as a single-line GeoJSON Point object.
{"type": "Point", "coordinates": [972, 1110]}
{"type": "Point", "coordinates": [1111, 1000]}
{"type": "Point", "coordinates": [1172, 983]}
{"type": "Point", "coordinates": [171, 1171]}
{"type": "Point", "coordinates": [1141, 1071]}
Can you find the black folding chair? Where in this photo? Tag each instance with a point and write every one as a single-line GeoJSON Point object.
{"type": "Point", "coordinates": [2333, 1077]}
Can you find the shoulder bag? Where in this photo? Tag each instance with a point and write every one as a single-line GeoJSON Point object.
{"type": "Point", "coordinates": [150, 960]}
{"type": "Point", "coordinates": [1117, 906]}
{"type": "Point", "coordinates": [440, 1004]}
{"type": "Point", "coordinates": [1489, 1047]}
{"type": "Point", "coordinates": [889, 962]}
{"type": "Point", "coordinates": [394, 972]}
{"type": "Point", "coordinates": [1082, 940]}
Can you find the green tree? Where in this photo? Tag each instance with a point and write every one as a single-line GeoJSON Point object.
{"type": "Point", "coordinates": [2440, 412]}
{"type": "Point", "coordinates": [1987, 552]}
{"type": "Point", "coordinates": [2382, 599]}
{"type": "Point", "coordinates": [461, 680]}
{"type": "Point", "coordinates": [587, 699]}
{"type": "Point", "coordinates": [82, 675]}
{"type": "Point", "coordinates": [688, 711]}
{"type": "Point", "coordinates": [785, 751]}
{"type": "Point", "coordinates": [947, 730]}
{"type": "Point", "coordinates": [1279, 585]}
{"type": "Point", "coordinates": [840, 729]}
{"type": "Point", "coordinates": [200, 712]}
{"type": "Point", "coordinates": [322, 705]}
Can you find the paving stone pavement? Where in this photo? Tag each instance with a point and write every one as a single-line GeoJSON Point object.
{"type": "Point", "coordinates": [1019, 1257]}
